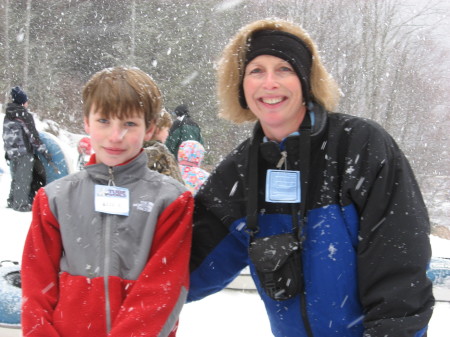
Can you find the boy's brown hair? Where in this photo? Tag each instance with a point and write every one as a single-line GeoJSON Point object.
{"type": "Point", "coordinates": [120, 92]}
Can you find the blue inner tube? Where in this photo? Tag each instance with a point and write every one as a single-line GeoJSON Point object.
{"type": "Point", "coordinates": [10, 295]}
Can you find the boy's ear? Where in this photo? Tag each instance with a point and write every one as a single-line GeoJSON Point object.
{"type": "Point", "coordinates": [150, 131]}
{"type": "Point", "coordinates": [86, 125]}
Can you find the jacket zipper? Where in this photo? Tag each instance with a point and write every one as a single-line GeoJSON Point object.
{"type": "Point", "coordinates": [107, 258]}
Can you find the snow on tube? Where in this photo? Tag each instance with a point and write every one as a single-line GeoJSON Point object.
{"type": "Point", "coordinates": [10, 294]}
{"type": "Point", "coordinates": [439, 272]}
{"type": "Point", "coordinates": [59, 158]}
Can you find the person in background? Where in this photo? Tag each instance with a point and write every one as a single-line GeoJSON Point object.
{"type": "Point", "coordinates": [21, 139]}
{"type": "Point", "coordinates": [107, 252]}
{"type": "Point", "coordinates": [322, 206]}
{"type": "Point", "coordinates": [84, 149]}
{"type": "Point", "coordinates": [184, 128]}
{"type": "Point", "coordinates": [160, 159]}
{"type": "Point", "coordinates": [190, 157]}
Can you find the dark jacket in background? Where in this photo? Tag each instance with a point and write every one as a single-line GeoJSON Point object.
{"type": "Point", "coordinates": [184, 128]}
{"type": "Point", "coordinates": [19, 132]}
{"type": "Point", "coordinates": [21, 141]}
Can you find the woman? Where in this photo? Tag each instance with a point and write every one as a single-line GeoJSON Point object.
{"type": "Point", "coordinates": [322, 206]}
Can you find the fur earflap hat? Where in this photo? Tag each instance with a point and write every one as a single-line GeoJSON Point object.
{"type": "Point", "coordinates": [18, 95]}
{"type": "Point", "coordinates": [296, 45]}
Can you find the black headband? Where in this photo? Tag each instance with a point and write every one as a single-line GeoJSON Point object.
{"type": "Point", "coordinates": [285, 46]}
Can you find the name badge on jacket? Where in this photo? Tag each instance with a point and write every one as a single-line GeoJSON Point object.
{"type": "Point", "coordinates": [283, 186]}
{"type": "Point", "coordinates": [112, 200]}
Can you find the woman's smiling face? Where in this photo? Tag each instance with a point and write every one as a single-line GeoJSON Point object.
{"type": "Point", "coordinates": [274, 94]}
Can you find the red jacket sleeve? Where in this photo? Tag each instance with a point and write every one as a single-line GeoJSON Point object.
{"type": "Point", "coordinates": [40, 269]}
{"type": "Point", "coordinates": [153, 305]}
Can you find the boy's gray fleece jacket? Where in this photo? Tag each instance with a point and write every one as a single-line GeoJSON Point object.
{"type": "Point", "coordinates": [112, 275]}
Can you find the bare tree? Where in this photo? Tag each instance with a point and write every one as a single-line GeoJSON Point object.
{"type": "Point", "coordinates": [6, 51]}
{"type": "Point", "coordinates": [133, 32]}
{"type": "Point", "coordinates": [27, 44]}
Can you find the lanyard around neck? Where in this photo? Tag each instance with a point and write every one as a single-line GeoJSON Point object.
{"type": "Point", "coordinates": [252, 193]}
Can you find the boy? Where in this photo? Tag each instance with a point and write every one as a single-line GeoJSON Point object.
{"type": "Point", "coordinates": [108, 248]}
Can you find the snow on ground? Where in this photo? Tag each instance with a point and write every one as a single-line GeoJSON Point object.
{"type": "Point", "coordinates": [227, 313]}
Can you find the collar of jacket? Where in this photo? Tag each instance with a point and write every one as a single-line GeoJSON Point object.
{"type": "Point", "coordinates": [270, 151]}
{"type": "Point", "coordinates": [122, 174]}
{"type": "Point", "coordinates": [14, 110]}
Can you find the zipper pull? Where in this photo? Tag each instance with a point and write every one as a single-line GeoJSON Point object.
{"type": "Point", "coordinates": [111, 177]}
{"type": "Point", "coordinates": [282, 159]}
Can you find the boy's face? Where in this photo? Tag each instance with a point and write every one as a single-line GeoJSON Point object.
{"type": "Point", "coordinates": [115, 141]}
